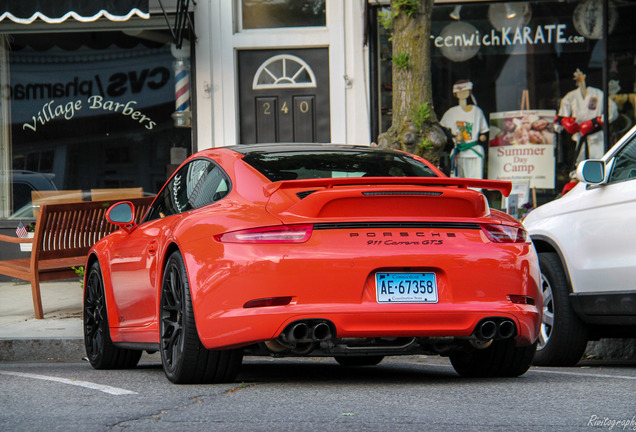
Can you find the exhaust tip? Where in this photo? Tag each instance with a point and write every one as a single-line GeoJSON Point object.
{"type": "Point", "coordinates": [321, 332]}
{"type": "Point", "coordinates": [299, 331]}
{"type": "Point", "coordinates": [308, 331]}
{"type": "Point", "coordinates": [506, 329]}
{"type": "Point", "coordinates": [486, 330]}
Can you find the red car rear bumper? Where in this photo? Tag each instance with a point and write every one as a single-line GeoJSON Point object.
{"type": "Point", "coordinates": [246, 326]}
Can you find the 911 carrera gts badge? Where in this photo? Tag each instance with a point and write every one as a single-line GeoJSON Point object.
{"type": "Point", "coordinates": [404, 243]}
{"type": "Point", "coordinates": [403, 238]}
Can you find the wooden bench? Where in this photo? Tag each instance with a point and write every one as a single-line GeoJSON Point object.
{"type": "Point", "coordinates": [64, 233]}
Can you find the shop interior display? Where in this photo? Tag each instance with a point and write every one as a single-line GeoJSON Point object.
{"type": "Point", "coordinates": [468, 127]}
{"type": "Point", "coordinates": [515, 49]}
{"type": "Point", "coordinates": [581, 115]}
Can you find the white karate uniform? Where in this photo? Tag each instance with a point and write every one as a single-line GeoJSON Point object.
{"type": "Point", "coordinates": [466, 127]}
{"type": "Point", "coordinates": [587, 108]}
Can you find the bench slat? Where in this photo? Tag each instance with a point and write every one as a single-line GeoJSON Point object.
{"type": "Point", "coordinates": [22, 264]}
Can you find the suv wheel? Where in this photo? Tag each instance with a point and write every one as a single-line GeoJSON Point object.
{"type": "Point", "coordinates": [563, 336]}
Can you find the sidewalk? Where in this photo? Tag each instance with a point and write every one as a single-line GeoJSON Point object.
{"type": "Point", "coordinates": [58, 336]}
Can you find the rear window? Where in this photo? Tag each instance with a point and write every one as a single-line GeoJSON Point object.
{"type": "Point", "coordinates": [301, 165]}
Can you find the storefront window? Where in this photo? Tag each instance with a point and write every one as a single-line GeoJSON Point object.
{"type": "Point", "coordinates": [621, 66]}
{"type": "Point", "coordinates": [83, 114]}
{"type": "Point", "coordinates": [258, 14]}
{"type": "Point", "coordinates": [522, 59]}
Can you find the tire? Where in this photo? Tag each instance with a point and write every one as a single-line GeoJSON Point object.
{"type": "Point", "coordinates": [501, 359]}
{"type": "Point", "coordinates": [563, 336]}
{"type": "Point", "coordinates": [350, 361]}
{"type": "Point", "coordinates": [100, 350]}
{"type": "Point", "coordinates": [184, 358]}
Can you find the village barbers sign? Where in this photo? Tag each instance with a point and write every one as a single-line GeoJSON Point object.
{"type": "Point", "coordinates": [66, 111]}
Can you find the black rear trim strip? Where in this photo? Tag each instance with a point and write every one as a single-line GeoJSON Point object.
{"type": "Point", "coordinates": [401, 193]}
{"type": "Point", "coordinates": [355, 225]}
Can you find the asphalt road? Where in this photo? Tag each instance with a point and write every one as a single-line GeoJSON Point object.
{"type": "Point", "coordinates": [401, 394]}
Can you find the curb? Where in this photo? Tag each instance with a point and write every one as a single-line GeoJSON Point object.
{"type": "Point", "coordinates": [42, 349]}
{"type": "Point", "coordinates": [612, 349]}
{"type": "Point", "coordinates": [65, 349]}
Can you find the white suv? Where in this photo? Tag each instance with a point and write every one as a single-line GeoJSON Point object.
{"type": "Point", "coordinates": [586, 242]}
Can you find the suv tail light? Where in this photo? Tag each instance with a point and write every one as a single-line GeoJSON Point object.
{"type": "Point", "coordinates": [504, 233]}
{"type": "Point", "coordinates": [278, 234]}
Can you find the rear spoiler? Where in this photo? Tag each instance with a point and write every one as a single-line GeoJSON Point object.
{"type": "Point", "coordinates": [505, 187]}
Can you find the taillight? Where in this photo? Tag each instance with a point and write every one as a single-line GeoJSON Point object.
{"type": "Point", "coordinates": [266, 302]}
{"type": "Point", "coordinates": [278, 234]}
{"type": "Point", "coordinates": [504, 233]}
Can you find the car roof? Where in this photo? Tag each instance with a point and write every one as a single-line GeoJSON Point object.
{"type": "Point", "coordinates": [37, 180]}
{"type": "Point", "coordinates": [246, 149]}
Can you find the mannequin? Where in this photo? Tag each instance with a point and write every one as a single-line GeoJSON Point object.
{"type": "Point", "coordinates": [581, 114]}
{"type": "Point", "coordinates": [468, 126]}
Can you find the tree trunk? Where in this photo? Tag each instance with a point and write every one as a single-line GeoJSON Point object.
{"type": "Point", "coordinates": [414, 128]}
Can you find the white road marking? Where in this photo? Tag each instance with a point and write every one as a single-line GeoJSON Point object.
{"type": "Point", "coordinates": [103, 388]}
{"type": "Point", "coordinates": [583, 374]}
{"type": "Point", "coordinates": [534, 369]}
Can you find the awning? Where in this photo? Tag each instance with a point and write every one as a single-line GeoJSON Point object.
{"type": "Point", "coordinates": [57, 11]}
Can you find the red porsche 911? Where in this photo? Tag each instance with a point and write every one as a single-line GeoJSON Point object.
{"type": "Point", "coordinates": [351, 252]}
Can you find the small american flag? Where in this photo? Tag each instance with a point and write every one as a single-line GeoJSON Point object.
{"type": "Point", "coordinates": [21, 230]}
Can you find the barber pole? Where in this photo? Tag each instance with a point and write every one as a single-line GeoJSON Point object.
{"type": "Point", "coordinates": [181, 66]}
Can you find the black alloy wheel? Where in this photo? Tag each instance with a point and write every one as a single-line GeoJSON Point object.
{"type": "Point", "coordinates": [100, 350]}
{"type": "Point", "coordinates": [184, 358]}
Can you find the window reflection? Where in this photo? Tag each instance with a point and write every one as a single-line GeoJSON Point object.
{"type": "Point", "coordinates": [286, 13]}
{"type": "Point", "coordinates": [82, 113]}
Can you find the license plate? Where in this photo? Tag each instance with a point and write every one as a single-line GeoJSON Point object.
{"type": "Point", "coordinates": [406, 287]}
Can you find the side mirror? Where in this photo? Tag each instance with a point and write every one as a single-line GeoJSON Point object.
{"type": "Point", "coordinates": [591, 171]}
{"type": "Point", "coordinates": [123, 215]}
